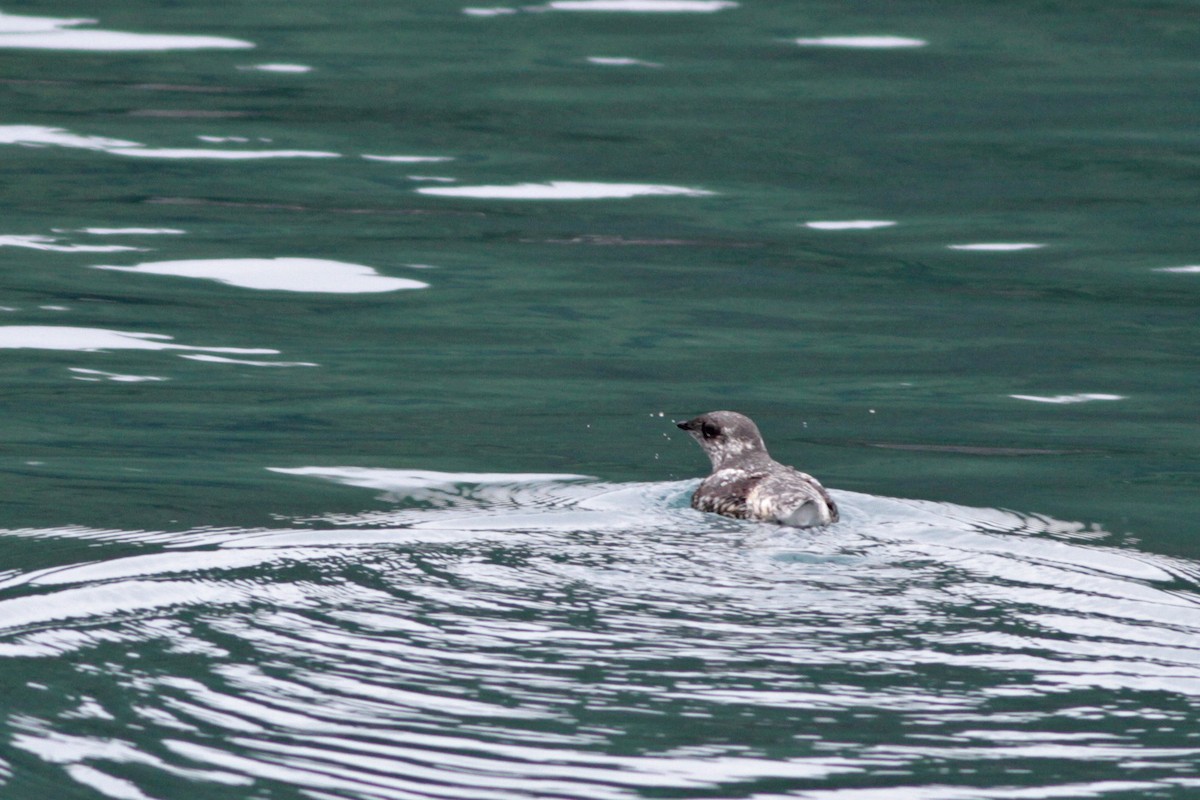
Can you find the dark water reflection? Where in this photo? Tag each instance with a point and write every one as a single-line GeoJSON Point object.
{"type": "Point", "coordinates": [533, 636]}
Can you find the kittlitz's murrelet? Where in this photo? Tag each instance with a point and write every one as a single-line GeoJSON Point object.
{"type": "Point", "coordinates": [747, 483]}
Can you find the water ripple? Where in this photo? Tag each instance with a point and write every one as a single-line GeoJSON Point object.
{"type": "Point", "coordinates": [541, 635]}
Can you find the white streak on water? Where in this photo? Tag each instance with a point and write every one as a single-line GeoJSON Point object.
{"type": "Point", "coordinates": [154, 565]}
{"type": "Point", "coordinates": [564, 190]}
{"type": "Point", "coordinates": [397, 480]}
{"type": "Point", "coordinates": [618, 61]}
{"type": "Point", "coordinates": [246, 362]}
{"type": "Point", "coordinates": [105, 784]}
{"type": "Point", "coordinates": [611, 6]}
{"type": "Point", "coordinates": [106, 599]}
{"type": "Point", "coordinates": [213, 153]}
{"type": "Point", "coordinates": [863, 42]}
{"type": "Point", "coordinates": [49, 33]}
{"type": "Point", "coordinates": [1067, 398]}
{"type": "Point", "coordinates": [131, 231]}
{"type": "Point", "coordinates": [284, 68]}
{"type": "Point", "coordinates": [997, 247]}
{"type": "Point", "coordinates": [82, 374]}
{"type": "Point", "coordinates": [641, 6]}
{"type": "Point", "coordinates": [13, 23]}
{"type": "Point", "coordinates": [114, 41]}
{"type": "Point", "coordinates": [56, 337]}
{"type": "Point", "coordinates": [409, 159]}
{"type": "Point", "coordinates": [50, 243]}
{"type": "Point", "coordinates": [849, 225]}
{"type": "Point", "coordinates": [280, 274]}
{"type": "Point", "coordinates": [41, 136]}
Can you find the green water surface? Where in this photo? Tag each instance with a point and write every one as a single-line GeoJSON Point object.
{"type": "Point", "coordinates": [563, 336]}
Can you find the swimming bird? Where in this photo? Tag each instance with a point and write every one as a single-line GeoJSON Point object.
{"type": "Point", "coordinates": [746, 483]}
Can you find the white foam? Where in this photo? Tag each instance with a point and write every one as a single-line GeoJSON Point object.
{"type": "Point", "coordinates": [849, 224]}
{"type": "Point", "coordinates": [997, 247]}
{"type": "Point", "coordinates": [643, 6]}
{"type": "Point", "coordinates": [1179, 269]}
{"type": "Point", "coordinates": [48, 33]}
{"type": "Point", "coordinates": [409, 159]}
{"type": "Point", "coordinates": [1067, 398]}
{"type": "Point", "coordinates": [55, 337]}
{"type": "Point", "coordinates": [563, 190]}
{"type": "Point", "coordinates": [864, 42]}
{"type": "Point", "coordinates": [282, 274]}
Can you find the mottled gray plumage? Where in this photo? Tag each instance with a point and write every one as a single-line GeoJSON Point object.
{"type": "Point", "coordinates": [747, 483]}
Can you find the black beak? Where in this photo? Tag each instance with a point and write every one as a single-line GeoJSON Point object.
{"type": "Point", "coordinates": [687, 426]}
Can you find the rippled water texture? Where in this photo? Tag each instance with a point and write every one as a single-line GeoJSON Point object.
{"type": "Point", "coordinates": [534, 635]}
{"type": "Point", "coordinates": [341, 346]}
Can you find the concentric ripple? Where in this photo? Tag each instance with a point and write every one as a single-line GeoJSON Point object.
{"type": "Point", "coordinates": [508, 636]}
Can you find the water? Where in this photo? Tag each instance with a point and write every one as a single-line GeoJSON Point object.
{"type": "Point", "coordinates": [342, 347]}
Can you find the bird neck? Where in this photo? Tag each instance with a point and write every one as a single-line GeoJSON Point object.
{"type": "Point", "coordinates": [742, 458]}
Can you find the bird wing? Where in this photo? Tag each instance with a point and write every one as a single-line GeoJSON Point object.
{"type": "Point", "coordinates": [725, 492]}
{"type": "Point", "coordinates": [796, 498]}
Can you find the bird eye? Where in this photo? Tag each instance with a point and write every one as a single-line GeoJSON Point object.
{"type": "Point", "coordinates": [710, 431]}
